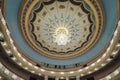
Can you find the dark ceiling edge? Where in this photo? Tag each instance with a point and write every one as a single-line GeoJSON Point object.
{"type": "Point", "coordinates": [10, 64]}
{"type": "Point", "coordinates": [109, 68]}
{"type": "Point", "coordinates": [13, 67]}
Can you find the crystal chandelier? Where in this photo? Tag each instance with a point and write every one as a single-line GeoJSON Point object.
{"type": "Point", "coordinates": [61, 36]}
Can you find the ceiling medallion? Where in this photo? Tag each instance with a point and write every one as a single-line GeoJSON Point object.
{"type": "Point", "coordinates": [62, 29]}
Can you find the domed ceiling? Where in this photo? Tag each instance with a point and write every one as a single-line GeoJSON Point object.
{"type": "Point", "coordinates": [62, 29]}
{"type": "Point", "coordinates": [61, 37]}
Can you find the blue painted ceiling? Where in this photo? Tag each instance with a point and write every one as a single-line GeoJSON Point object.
{"type": "Point", "coordinates": [111, 18]}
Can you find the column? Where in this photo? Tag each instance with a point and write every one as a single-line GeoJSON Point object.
{"type": "Point", "coordinates": [67, 78]}
{"type": "Point", "coordinates": [46, 77]}
{"type": "Point", "coordinates": [77, 77]}
{"type": "Point", "coordinates": [57, 78]}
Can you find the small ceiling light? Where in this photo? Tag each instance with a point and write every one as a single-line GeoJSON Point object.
{"type": "Point", "coordinates": [96, 69]}
{"type": "Point", "coordinates": [20, 64]}
{"type": "Point", "coordinates": [98, 60]}
{"type": "Point", "coordinates": [35, 67]}
{"type": "Point", "coordinates": [8, 51]}
{"type": "Point", "coordinates": [80, 70]}
{"type": "Point", "coordinates": [86, 67]}
{"type": "Point", "coordinates": [8, 32]}
{"type": "Point", "coordinates": [26, 68]}
{"type": "Point", "coordinates": [116, 72]}
{"type": "Point", "coordinates": [0, 65]}
{"type": "Point", "coordinates": [1, 35]}
{"type": "Point", "coordinates": [15, 48]}
{"type": "Point", "coordinates": [52, 72]}
{"type": "Point", "coordinates": [118, 23]}
{"type": "Point", "coordinates": [42, 70]}
{"type": "Point", "coordinates": [115, 32]}
{"type": "Point", "coordinates": [24, 60]}
{"type": "Point", "coordinates": [89, 72]}
{"type": "Point", "coordinates": [14, 77]}
{"type": "Point", "coordinates": [6, 72]}
{"type": "Point", "coordinates": [29, 64]}
{"type": "Point", "coordinates": [118, 45]}
{"type": "Point", "coordinates": [61, 77]}
{"type": "Point", "coordinates": [33, 71]}
{"type": "Point", "coordinates": [109, 59]}
{"type": "Point", "coordinates": [39, 74]}
{"type": "Point", "coordinates": [71, 72]}
{"type": "Point", "coordinates": [108, 49]}
{"type": "Point", "coordinates": [19, 54]}
{"type": "Point", "coordinates": [114, 52]}
{"type": "Point", "coordinates": [102, 64]}
{"type": "Point", "coordinates": [104, 55]}
{"type": "Point", "coordinates": [62, 73]}
{"type": "Point", "coordinates": [4, 44]}
{"type": "Point", "coordinates": [82, 74]}
{"type": "Point", "coordinates": [0, 77]}
{"type": "Point", "coordinates": [93, 64]}
{"type": "Point", "coordinates": [14, 59]}
{"type": "Point", "coordinates": [3, 21]}
{"type": "Point", "coordinates": [108, 77]}
{"type": "Point", "coordinates": [11, 40]}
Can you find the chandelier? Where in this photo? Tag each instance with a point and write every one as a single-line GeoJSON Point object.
{"type": "Point", "coordinates": [61, 36]}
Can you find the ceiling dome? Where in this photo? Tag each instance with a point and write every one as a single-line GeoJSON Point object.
{"type": "Point", "coordinates": [60, 38]}
{"type": "Point", "coordinates": [82, 22]}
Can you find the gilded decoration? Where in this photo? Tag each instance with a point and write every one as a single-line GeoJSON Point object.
{"type": "Point", "coordinates": [81, 22]}
{"type": "Point", "coordinates": [64, 67]}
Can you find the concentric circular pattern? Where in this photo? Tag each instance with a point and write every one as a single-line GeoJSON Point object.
{"type": "Point", "coordinates": [80, 27]}
{"type": "Point", "coordinates": [64, 20]}
{"type": "Point", "coordinates": [82, 20]}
